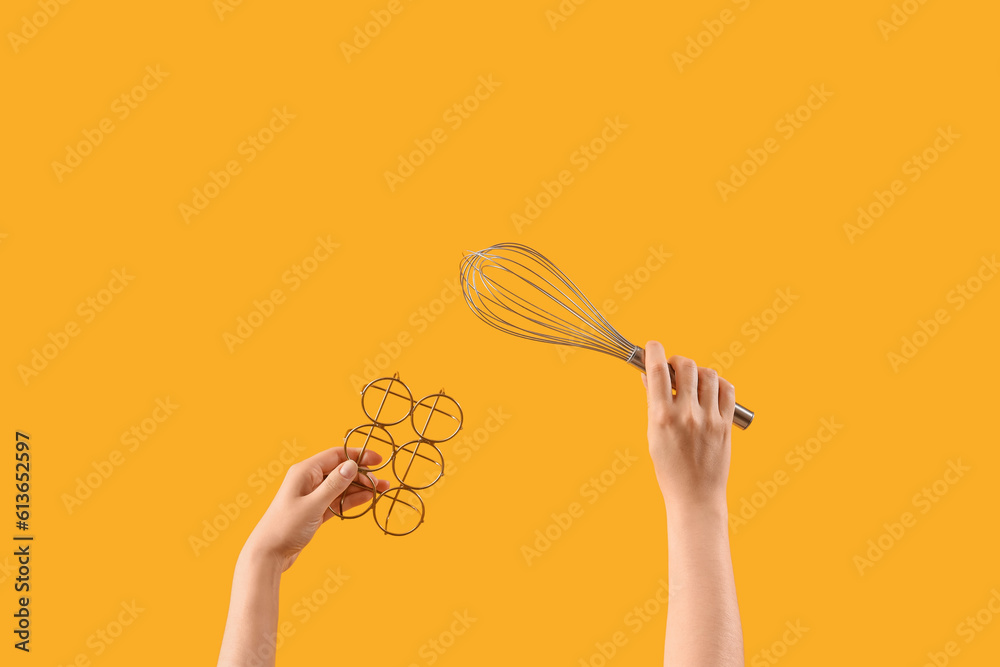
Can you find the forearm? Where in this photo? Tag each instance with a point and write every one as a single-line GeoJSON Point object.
{"type": "Point", "coordinates": [703, 617]}
{"type": "Point", "coordinates": [253, 613]}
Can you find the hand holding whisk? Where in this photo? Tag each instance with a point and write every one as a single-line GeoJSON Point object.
{"type": "Point", "coordinates": [517, 290]}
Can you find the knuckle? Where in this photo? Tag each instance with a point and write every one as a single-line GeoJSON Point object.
{"type": "Point", "coordinates": [683, 362]}
{"type": "Point", "coordinates": [687, 367]}
{"type": "Point", "coordinates": [656, 369]}
{"type": "Point", "coordinates": [659, 415]}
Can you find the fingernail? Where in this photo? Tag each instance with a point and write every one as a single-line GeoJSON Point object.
{"type": "Point", "coordinates": [349, 469]}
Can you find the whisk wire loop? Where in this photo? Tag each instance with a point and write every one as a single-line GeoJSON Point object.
{"type": "Point", "coordinates": [503, 307]}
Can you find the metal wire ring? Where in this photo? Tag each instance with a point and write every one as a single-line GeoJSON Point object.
{"type": "Point", "coordinates": [437, 460]}
{"type": "Point", "coordinates": [343, 496]}
{"type": "Point", "coordinates": [387, 390]}
{"type": "Point", "coordinates": [433, 408]}
{"type": "Point", "coordinates": [395, 499]}
{"type": "Point", "coordinates": [369, 436]}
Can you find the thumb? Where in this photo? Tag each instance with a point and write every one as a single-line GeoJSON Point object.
{"type": "Point", "coordinates": [335, 483]}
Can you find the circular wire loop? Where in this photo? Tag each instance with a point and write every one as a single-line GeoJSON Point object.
{"type": "Point", "coordinates": [343, 497]}
{"type": "Point", "coordinates": [408, 454]}
{"type": "Point", "coordinates": [382, 435]}
{"type": "Point", "coordinates": [389, 386]}
{"type": "Point", "coordinates": [440, 409]}
{"type": "Point", "coordinates": [409, 510]}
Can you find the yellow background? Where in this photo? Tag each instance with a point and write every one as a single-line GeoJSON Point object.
{"type": "Point", "coordinates": [656, 185]}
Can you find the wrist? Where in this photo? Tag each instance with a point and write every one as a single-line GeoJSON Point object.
{"type": "Point", "coordinates": [259, 559]}
{"type": "Point", "coordinates": [711, 509]}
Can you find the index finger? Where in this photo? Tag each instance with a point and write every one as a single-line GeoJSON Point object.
{"type": "Point", "coordinates": [328, 459]}
{"type": "Point", "coordinates": [658, 387]}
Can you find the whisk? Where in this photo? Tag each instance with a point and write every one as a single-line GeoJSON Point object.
{"type": "Point", "coordinates": [517, 290]}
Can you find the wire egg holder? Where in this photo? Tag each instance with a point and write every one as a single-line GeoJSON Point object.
{"type": "Point", "coordinates": [416, 465]}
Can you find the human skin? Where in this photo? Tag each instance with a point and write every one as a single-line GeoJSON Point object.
{"type": "Point", "coordinates": [299, 508]}
{"type": "Point", "coordinates": [689, 442]}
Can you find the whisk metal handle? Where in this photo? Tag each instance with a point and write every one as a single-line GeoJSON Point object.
{"type": "Point", "coordinates": [742, 417]}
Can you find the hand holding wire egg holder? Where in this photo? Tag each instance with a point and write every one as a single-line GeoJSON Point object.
{"type": "Point", "coordinates": [515, 289]}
